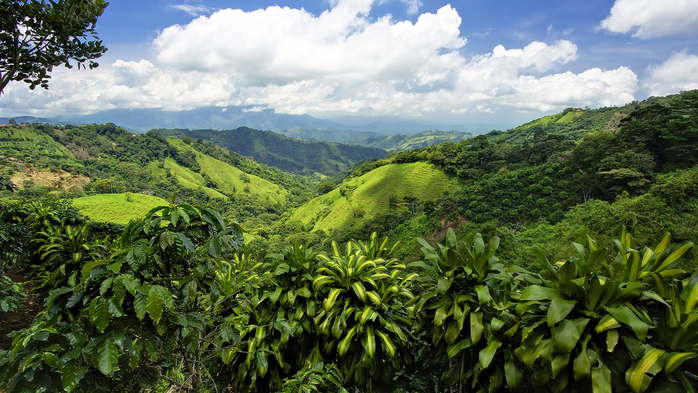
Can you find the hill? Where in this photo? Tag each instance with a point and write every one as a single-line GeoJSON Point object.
{"type": "Point", "coordinates": [384, 191]}
{"type": "Point", "coordinates": [117, 208]}
{"type": "Point", "coordinates": [403, 142]}
{"type": "Point", "coordinates": [575, 123]}
{"type": "Point", "coordinates": [106, 159]}
{"type": "Point", "coordinates": [288, 154]}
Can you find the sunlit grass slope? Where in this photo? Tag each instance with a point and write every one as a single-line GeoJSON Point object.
{"type": "Point", "coordinates": [117, 208]}
{"type": "Point", "coordinates": [372, 193]}
{"type": "Point", "coordinates": [226, 178]}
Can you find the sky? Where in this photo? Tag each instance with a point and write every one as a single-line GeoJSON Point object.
{"type": "Point", "coordinates": [460, 62]}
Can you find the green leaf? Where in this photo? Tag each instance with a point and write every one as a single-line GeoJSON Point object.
{"type": "Point", "coordinates": [640, 374]}
{"type": "Point", "coordinates": [536, 292]}
{"type": "Point", "coordinates": [99, 313]}
{"type": "Point", "coordinates": [559, 309]}
{"type": "Point", "coordinates": [388, 346]}
{"type": "Point", "coordinates": [476, 326]}
{"type": "Point", "coordinates": [331, 298]}
{"type": "Point", "coordinates": [487, 354]}
{"type": "Point", "coordinates": [567, 334]}
{"type": "Point", "coordinates": [674, 360]}
{"type": "Point", "coordinates": [360, 291]}
{"type": "Point", "coordinates": [71, 375]}
{"type": "Point", "coordinates": [455, 349]}
{"type": "Point", "coordinates": [513, 375]}
{"type": "Point", "coordinates": [369, 342]}
{"type": "Point", "coordinates": [108, 355]}
{"type": "Point", "coordinates": [155, 303]}
{"type": "Point", "coordinates": [452, 332]}
{"type": "Point", "coordinates": [601, 379]}
{"type": "Point", "coordinates": [483, 294]}
{"type": "Point", "coordinates": [139, 305]}
{"type": "Point", "coordinates": [344, 345]}
{"type": "Point", "coordinates": [674, 256]}
{"type": "Point", "coordinates": [624, 315]}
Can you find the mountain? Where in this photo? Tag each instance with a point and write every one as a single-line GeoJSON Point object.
{"type": "Point", "coordinates": [288, 154]}
{"type": "Point", "coordinates": [402, 142]}
{"type": "Point", "coordinates": [226, 118]}
{"type": "Point", "coordinates": [327, 134]}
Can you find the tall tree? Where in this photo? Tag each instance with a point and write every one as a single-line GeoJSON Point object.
{"type": "Point", "coordinates": [37, 35]}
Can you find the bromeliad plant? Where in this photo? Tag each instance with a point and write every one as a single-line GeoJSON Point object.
{"type": "Point", "coordinates": [271, 335]}
{"type": "Point", "coordinates": [466, 309]}
{"type": "Point", "coordinates": [363, 322]}
{"type": "Point", "coordinates": [588, 325]}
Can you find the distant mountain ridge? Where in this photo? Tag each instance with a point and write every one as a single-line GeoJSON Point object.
{"type": "Point", "coordinates": [227, 118]}
{"type": "Point", "coordinates": [289, 154]}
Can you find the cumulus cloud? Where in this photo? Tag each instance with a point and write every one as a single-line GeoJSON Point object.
{"type": "Point", "coordinates": [650, 18]}
{"type": "Point", "coordinates": [679, 72]}
{"type": "Point", "coordinates": [338, 62]}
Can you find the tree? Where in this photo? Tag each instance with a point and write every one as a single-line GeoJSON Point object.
{"type": "Point", "coordinates": [36, 36]}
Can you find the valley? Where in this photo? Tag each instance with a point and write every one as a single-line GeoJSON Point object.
{"type": "Point", "coordinates": [142, 233]}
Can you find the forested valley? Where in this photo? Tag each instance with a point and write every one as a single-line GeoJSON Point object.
{"type": "Point", "coordinates": [555, 256]}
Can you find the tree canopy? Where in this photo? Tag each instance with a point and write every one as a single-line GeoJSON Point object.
{"type": "Point", "coordinates": [36, 36]}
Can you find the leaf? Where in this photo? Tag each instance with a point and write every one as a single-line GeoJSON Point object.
{"type": "Point", "coordinates": [624, 315]}
{"type": "Point", "coordinates": [186, 241]}
{"type": "Point", "coordinates": [601, 379]}
{"type": "Point", "coordinates": [483, 294]}
{"type": "Point", "coordinates": [513, 375]}
{"type": "Point", "coordinates": [139, 305]}
{"type": "Point", "coordinates": [559, 309]}
{"type": "Point", "coordinates": [155, 303]}
{"type": "Point", "coordinates": [359, 289]}
{"type": "Point", "coordinates": [71, 375]}
{"type": "Point", "coordinates": [640, 374]}
{"type": "Point", "coordinates": [486, 355]}
{"type": "Point", "coordinates": [455, 349]}
{"type": "Point", "coordinates": [566, 335]}
{"type": "Point", "coordinates": [99, 313]}
{"type": "Point", "coordinates": [369, 342]}
{"type": "Point", "coordinates": [343, 346]}
{"type": "Point", "coordinates": [674, 360]}
{"type": "Point", "coordinates": [674, 256]}
{"type": "Point", "coordinates": [387, 343]}
{"type": "Point", "coordinates": [108, 355]}
{"type": "Point", "coordinates": [536, 292]}
{"type": "Point", "coordinates": [331, 298]}
{"type": "Point", "coordinates": [476, 326]}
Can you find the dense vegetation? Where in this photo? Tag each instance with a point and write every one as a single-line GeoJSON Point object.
{"type": "Point", "coordinates": [289, 154]}
{"type": "Point", "coordinates": [540, 286]}
{"type": "Point", "coordinates": [403, 142]}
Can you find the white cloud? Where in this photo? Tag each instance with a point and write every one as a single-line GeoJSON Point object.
{"type": "Point", "coordinates": [651, 18]}
{"type": "Point", "coordinates": [338, 62]}
{"type": "Point", "coordinates": [679, 72]}
{"type": "Point", "coordinates": [412, 5]}
{"type": "Point", "coordinates": [193, 10]}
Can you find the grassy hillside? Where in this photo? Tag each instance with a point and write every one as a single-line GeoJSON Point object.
{"type": "Point", "coordinates": [289, 154]}
{"type": "Point", "coordinates": [117, 208]}
{"type": "Point", "coordinates": [367, 197]}
{"type": "Point", "coordinates": [219, 178]}
{"type": "Point", "coordinates": [402, 142]}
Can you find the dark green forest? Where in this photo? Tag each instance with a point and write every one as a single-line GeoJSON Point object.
{"type": "Point", "coordinates": [562, 261]}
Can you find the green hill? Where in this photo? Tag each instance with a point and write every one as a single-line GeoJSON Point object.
{"type": "Point", "coordinates": [117, 208]}
{"type": "Point", "coordinates": [369, 196]}
{"type": "Point", "coordinates": [289, 154]}
{"type": "Point", "coordinates": [403, 142]}
{"type": "Point", "coordinates": [575, 123]}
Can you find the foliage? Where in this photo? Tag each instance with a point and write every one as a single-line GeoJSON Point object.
{"type": "Point", "coordinates": [289, 154]}
{"type": "Point", "coordinates": [38, 35]}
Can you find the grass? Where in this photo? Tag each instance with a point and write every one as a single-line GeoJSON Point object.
{"type": "Point", "coordinates": [117, 208]}
{"type": "Point", "coordinates": [227, 178]}
{"type": "Point", "coordinates": [371, 196]}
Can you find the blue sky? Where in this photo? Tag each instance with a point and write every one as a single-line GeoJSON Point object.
{"type": "Point", "coordinates": [478, 61]}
